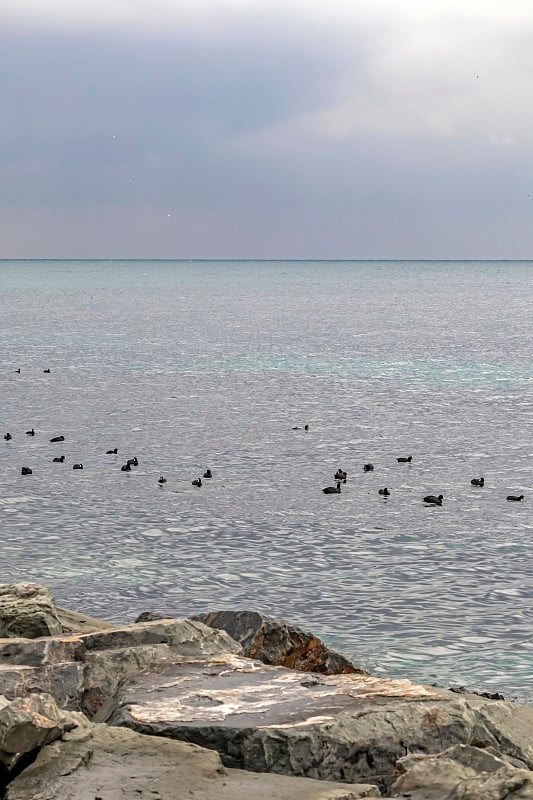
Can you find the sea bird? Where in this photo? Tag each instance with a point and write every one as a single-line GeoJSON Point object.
{"type": "Point", "coordinates": [126, 467]}
{"type": "Point", "coordinates": [385, 492]}
{"type": "Point", "coordinates": [368, 467]}
{"type": "Point", "coordinates": [133, 461]}
{"type": "Point", "coordinates": [208, 474]}
{"type": "Point", "coordinates": [58, 459]}
{"type": "Point", "coordinates": [77, 466]}
{"type": "Point", "coordinates": [333, 489]}
{"type": "Point", "coordinates": [515, 497]}
{"type": "Point", "coordinates": [26, 471]}
{"type": "Point", "coordinates": [197, 482]}
{"type": "Point", "coordinates": [340, 475]}
{"type": "Point", "coordinates": [478, 481]}
{"type": "Point", "coordinates": [162, 480]}
{"type": "Point", "coordinates": [112, 452]}
{"type": "Point", "coordinates": [30, 433]}
{"type": "Point", "coordinates": [58, 439]}
{"type": "Point", "coordinates": [432, 500]}
{"type": "Point", "coordinates": [403, 460]}
{"type": "Point", "coordinates": [8, 437]}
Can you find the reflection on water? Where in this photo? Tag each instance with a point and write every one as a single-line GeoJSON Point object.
{"type": "Point", "coordinates": [201, 365]}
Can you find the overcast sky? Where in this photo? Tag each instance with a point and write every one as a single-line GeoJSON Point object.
{"type": "Point", "coordinates": [241, 129]}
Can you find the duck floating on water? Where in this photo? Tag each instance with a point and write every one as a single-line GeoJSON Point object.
{"type": "Point", "coordinates": [26, 471]}
{"type": "Point", "coordinates": [77, 466]}
{"type": "Point", "coordinates": [515, 497]}
{"type": "Point", "coordinates": [30, 433]}
{"type": "Point", "coordinates": [478, 481]}
{"type": "Point", "coordinates": [432, 500]}
{"type": "Point", "coordinates": [341, 475]}
{"type": "Point", "coordinates": [404, 460]}
{"type": "Point", "coordinates": [162, 480]}
{"type": "Point", "coordinates": [385, 492]}
{"type": "Point", "coordinates": [8, 437]}
{"type": "Point", "coordinates": [58, 439]}
{"type": "Point", "coordinates": [58, 459]}
{"type": "Point", "coordinates": [333, 489]}
{"type": "Point", "coordinates": [207, 474]}
{"type": "Point", "coordinates": [112, 452]}
{"type": "Point", "coordinates": [368, 467]}
{"type": "Point", "coordinates": [197, 482]}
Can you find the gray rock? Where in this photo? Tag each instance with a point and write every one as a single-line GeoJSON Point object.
{"type": "Point", "coordinates": [82, 671]}
{"type": "Point", "coordinates": [151, 616]}
{"type": "Point", "coordinates": [74, 622]}
{"type": "Point", "coordinates": [28, 610]}
{"type": "Point", "coordinates": [275, 642]}
{"type": "Point", "coordinates": [29, 722]}
{"type": "Point", "coordinates": [26, 724]}
{"type": "Point", "coordinates": [111, 659]}
{"type": "Point", "coordinates": [65, 682]}
{"type": "Point", "coordinates": [183, 636]}
{"type": "Point", "coordinates": [462, 773]}
{"type": "Point", "coordinates": [105, 670]}
{"type": "Point", "coordinates": [343, 727]}
{"type": "Point", "coordinates": [99, 762]}
{"type": "Point", "coordinates": [180, 679]}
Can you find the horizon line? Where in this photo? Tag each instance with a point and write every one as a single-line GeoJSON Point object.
{"type": "Point", "coordinates": [265, 260]}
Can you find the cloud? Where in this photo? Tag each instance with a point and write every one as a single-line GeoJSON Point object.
{"type": "Point", "coordinates": [305, 127]}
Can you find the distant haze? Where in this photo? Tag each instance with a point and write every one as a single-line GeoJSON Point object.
{"type": "Point", "coordinates": [225, 128]}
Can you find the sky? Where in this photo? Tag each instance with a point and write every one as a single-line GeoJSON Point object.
{"type": "Point", "coordinates": [250, 129]}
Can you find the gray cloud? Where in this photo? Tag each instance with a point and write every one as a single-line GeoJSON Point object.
{"type": "Point", "coordinates": [290, 135]}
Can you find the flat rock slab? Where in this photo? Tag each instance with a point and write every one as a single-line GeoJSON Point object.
{"type": "Point", "coordinates": [97, 762]}
{"type": "Point", "coordinates": [74, 622]}
{"type": "Point", "coordinates": [343, 727]}
{"type": "Point", "coordinates": [82, 670]}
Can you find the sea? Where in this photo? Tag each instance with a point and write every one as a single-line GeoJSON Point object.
{"type": "Point", "coordinates": [220, 365]}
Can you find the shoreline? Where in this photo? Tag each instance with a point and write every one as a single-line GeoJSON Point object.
{"type": "Point", "coordinates": [263, 697]}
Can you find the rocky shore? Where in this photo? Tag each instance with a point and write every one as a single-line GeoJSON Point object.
{"type": "Point", "coordinates": [230, 705]}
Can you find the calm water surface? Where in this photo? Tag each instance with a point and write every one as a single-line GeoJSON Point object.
{"type": "Point", "coordinates": [189, 365]}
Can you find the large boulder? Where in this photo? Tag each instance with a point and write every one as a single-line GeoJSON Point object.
{"type": "Point", "coordinates": [95, 761]}
{"type": "Point", "coordinates": [343, 727]}
{"type": "Point", "coordinates": [462, 773]}
{"type": "Point", "coordinates": [27, 609]}
{"type": "Point", "coordinates": [275, 642]}
{"type": "Point", "coordinates": [82, 671]}
{"type": "Point", "coordinates": [26, 724]}
{"type": "Point", "coordinates": [29, 722]}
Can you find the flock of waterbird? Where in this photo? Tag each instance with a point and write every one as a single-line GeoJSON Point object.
{"type": "Point", "coordinates": [340, 476]}
{"type": "Point", "coordinates": [126, 467]}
